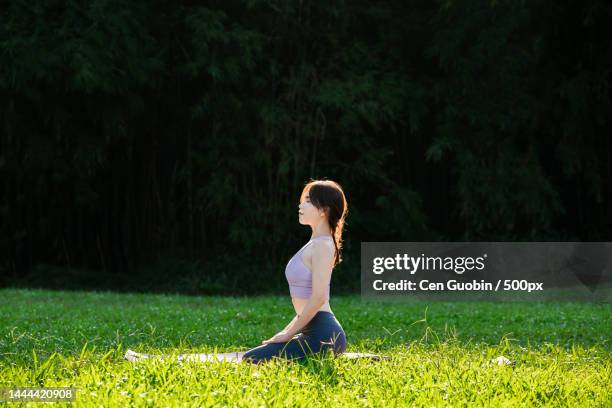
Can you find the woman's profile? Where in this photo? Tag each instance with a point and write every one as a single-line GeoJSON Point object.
{"type": "Point", "coordinates": [314, 329]}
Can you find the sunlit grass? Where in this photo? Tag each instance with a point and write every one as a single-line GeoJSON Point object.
{"type": "Point", "coordinates": [440, 352]}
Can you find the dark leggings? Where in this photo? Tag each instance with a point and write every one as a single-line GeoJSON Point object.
{"type": "Point", "coordinates": [323, 333]}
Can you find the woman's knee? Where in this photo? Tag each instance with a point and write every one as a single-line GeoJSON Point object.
{"type": "Point", "coordinates": [250, 356]}
{"type": "Point", "coordinates": [258, 354]}
{"type": "Point", "coordinates": [295, 348]}
{"type": "Point", "coordinates": [265, 352]}
{"type": "Point", "coordinates": [255, 355]}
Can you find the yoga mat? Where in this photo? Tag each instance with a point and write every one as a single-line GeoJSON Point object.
{"type": "Point", "coordinates": [233, 356]}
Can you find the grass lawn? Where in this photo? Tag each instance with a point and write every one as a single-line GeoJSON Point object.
{"type": "Point", "coordinates": [440, 351]}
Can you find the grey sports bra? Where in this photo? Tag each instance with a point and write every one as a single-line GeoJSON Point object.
{"type": "Point", "coordinates": [299, 276]}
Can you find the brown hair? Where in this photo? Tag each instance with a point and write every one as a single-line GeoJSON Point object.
{"type": "Point", "coordinates": [328, 195]}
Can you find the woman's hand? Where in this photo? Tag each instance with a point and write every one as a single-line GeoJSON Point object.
{"type": "Point", "coordinates": [280, 337]}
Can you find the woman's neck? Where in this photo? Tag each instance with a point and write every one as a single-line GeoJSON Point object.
{"type": "Point", "coordinates": [321, 233]}
{"type": "Point", "coordinates": [321, 229]}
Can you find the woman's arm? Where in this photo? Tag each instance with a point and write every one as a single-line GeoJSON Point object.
{"type": "Point", "coordinates": [291, 323]}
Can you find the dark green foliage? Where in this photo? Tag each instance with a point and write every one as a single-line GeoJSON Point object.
{"type": "Point", "coordinates": [138, 133]}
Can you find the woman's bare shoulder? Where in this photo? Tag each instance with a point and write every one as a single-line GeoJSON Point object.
{"type": "Point", "coordinates": [322, 248]}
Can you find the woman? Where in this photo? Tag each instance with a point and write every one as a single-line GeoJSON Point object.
{"type": "Point", "coordinates": [314, 329]}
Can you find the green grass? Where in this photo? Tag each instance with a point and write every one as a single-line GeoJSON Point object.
{"type": "Point", "coordinates": [439, 350]}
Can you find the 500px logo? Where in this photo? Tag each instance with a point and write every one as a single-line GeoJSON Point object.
{"type": "Point", "coordinates": [408, 263]}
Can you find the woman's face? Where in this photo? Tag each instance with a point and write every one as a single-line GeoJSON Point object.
{"type": "Point", "coordinates": [308, 214]}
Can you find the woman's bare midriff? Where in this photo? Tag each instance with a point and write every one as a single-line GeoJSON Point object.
{"type": "Point", "coordinates": [299, 303]}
